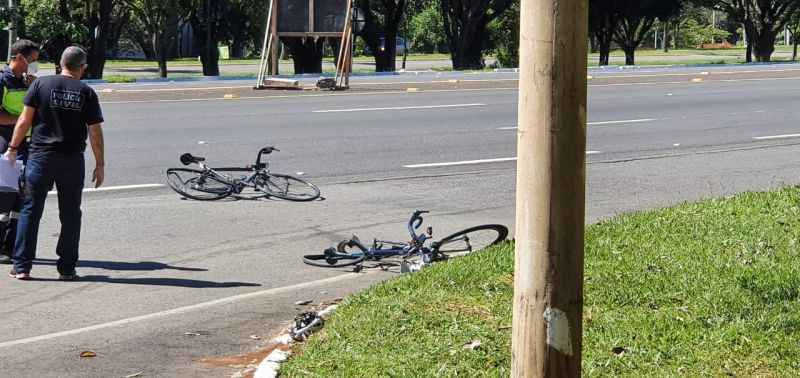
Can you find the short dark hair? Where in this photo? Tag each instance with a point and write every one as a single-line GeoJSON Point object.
{"type": "Point", "coordinates": [25, 47]}
{"type": "Point", "coordinates": [73, 58]}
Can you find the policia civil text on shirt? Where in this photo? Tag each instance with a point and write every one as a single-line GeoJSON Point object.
{"type": "Point", "coordinates": [62, 112]}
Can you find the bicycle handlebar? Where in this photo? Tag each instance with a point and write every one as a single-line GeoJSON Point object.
{"type": "Point", "coordinates": [415, 223]}
{"type": "Point", "coordinates": [262, 152]}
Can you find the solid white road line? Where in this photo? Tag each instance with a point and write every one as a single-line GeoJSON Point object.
{"type": "Point", "coordinates": [115, 188]}
{"type": "Point", "coordinates": [784, 136]}
{"type": "Point", "coordinates": [465, 162]}
{"type": "Point", "coordinates": [472, 162]}
{"type": "Point", "coordinates": [643, 120]}
{"type": "Point", "coordinates": [177, 311]}
{"type": "Point", "coordinates": [622, 121]}
{"type": "Point", "coordinates": [398, 108]}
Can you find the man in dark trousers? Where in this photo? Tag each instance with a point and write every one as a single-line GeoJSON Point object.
{"type": "Point", "coordinates": [14, 81]}
{"type": "Point", "coordinates": [63, 111]}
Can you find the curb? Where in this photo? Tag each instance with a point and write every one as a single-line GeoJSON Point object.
{"type": "Point", "coordinates": [271, 365]}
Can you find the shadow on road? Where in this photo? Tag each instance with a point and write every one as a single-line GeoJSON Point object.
{"type": "Point", "coordinates": [124, 266]}
{"type": "Point", "coordinates": [175, 282]}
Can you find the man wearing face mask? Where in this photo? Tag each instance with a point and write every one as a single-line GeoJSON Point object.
{"type": "Point", "coordinates": [14, 81]}
{"type": "Point", "coordinates": [63, 112]}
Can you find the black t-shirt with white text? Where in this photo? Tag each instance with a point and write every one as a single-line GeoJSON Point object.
{"type": "Point", "coordinates": [64, 109]}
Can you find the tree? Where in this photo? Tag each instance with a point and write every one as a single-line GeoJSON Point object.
{"type": "Point", "coordinates": [98, 14]}
{"type": "Point", "coordinates": [603, 21]}
{"type": "Point", "coordinates": [636, 18]}
{"type": "Point", "coordinates": [382, 20]}
{"type": "Point", "coordinates": [762, 21]}
{"type": "Point", "coordinates": [465, 23]}
{"type": "Point", "coordinates": [54, 23]}
{"type": "Point", "coordinates": [158, 18]}
{"type": "Point", "coordinates": [426, 30]}
{"type": "Point", "coordinates": [208, 21]}
{"type": "Point", "coordinates": [794, 30]}
{"type": "Point", "coordinates": [505, 36]}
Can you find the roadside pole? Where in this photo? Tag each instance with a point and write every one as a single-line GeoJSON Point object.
{"type": "Point", "coordinates": [12, 29]}
{"type": "Point", "coordinates": [551, 179]}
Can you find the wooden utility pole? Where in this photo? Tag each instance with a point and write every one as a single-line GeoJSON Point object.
{"type": "Point", "coordinates": [551, 179]}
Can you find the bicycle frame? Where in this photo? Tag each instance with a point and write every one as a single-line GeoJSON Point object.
{"type": "Point", "coordinates": [404, 249]}
{"type": "Point", "coordinates": [238, 184]}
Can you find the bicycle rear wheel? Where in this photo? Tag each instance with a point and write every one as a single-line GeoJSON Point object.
{"type": "Point", "coordinates": [287, 187]}
{"type": "Point", "coordinates": [197, 185]}
{"type": "Point", "coordinates": [334, 259]}
{"type": "Point", "coordinates": [470, 240]}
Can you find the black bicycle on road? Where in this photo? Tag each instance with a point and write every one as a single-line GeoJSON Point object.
{"type": "Point", "coordinates": [208, 184]}
{"type": "Point", "coordinates": [354, 252]}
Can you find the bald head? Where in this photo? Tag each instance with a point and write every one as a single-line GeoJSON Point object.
{"type": "Point", "coordinates": [73, 58]}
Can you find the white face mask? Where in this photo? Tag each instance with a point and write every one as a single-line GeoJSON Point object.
{"type": "Point", "coordinates": [33, 68]}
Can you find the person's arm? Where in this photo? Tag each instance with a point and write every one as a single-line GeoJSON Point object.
{"type": "Point", "coordinates": [98, 148]}
{"type": "Point", "coordinates": [24, 124]}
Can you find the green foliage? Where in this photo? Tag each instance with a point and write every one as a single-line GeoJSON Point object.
{"type": "Point", "coordinates": [426, 31]}
{"type": "Point", "coordinates": [693, 34]}
{"type": "Point", "coordinates": [505, 36]}
{"type": "Point", "coordinates": [44, 21]}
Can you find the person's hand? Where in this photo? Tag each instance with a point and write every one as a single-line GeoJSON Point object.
{"type": "Point", "coordinates": [29, 79]}
{"type": "Point", "coordinates": [11, 156]}
{"type": "Point", "coordinates": [98, 176]}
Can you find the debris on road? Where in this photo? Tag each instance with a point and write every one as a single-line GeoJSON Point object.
{"type": "Point", "coordinates": [138, 374]}
{"type": "Point", "coordinates": [303, 303]}
{"type": "Point", "coordinates": [305, 324]}
{"type": "Point", "coordinates": [255, 337]}
{"type": "Point", "coordinates": [88, 354]}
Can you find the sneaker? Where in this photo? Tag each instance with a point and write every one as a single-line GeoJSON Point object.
{"type": "Point", "coordinates": [68, 277]}
{"type": "Point", "coordinates": [5, 259]}
{"type": "Point", "coordinates": [19, 275]}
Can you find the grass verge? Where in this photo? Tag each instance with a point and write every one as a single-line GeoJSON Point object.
{"type": "Point", "coordinates": [703, 289]}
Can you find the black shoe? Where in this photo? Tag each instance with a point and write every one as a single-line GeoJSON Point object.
{"type": "Point", "coordinates": [68, 277]}
{"type": "Point", "coordinates": [5, 259]}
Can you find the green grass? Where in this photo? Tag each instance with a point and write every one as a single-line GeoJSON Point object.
{"type": "Point", "coordinates": [119, 79]}
{"type": "Point", "coordinates": [703, 289]}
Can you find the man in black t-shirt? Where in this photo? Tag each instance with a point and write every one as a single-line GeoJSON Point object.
{"type": "Point", "coordinates": [63, 111]}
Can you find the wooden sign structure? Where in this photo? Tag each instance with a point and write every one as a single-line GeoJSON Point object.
{"type": "Point", "coordinates": [307, 19]}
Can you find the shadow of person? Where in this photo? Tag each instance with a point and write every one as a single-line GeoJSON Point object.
{"type": "Point", "coordinates": [125, 266]}
{"type": "Point", "coordinates": [175, 282]}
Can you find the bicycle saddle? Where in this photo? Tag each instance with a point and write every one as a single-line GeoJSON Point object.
{"type": "Point", "coordinates": [187, 159]}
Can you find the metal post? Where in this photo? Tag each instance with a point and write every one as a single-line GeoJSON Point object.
{"type": "Point", "coordinates": [551, 143]}
{"type": "Point", "coordinates": [12, 29]}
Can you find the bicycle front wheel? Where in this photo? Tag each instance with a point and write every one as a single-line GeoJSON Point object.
{"type": "Point", "coordinates": [287, 187]}
{"type": "Point", "coordinates": [471, 240]}
{"type": "Point", "coordinates": [197, 185]}
{"type": "Point", "coordinates": [334, 259]}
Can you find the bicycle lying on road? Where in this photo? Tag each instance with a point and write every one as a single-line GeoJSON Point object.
{"type": "Point", "coordinates": [208, 184]}
{"type": "Point", "coordinates": [354, 252]}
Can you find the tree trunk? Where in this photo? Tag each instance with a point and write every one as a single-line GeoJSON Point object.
{"type": "Point", "coordinates": [630, 55]}
{"type": "Point", "coordinates": [794, 50]}
{"type": "Point", "coordinates": [666, 38]}
{"type": "Point", "coordinates": [748, 31]}
{"type": "Point", "coordinates": [386, 56]}
{"type": "Point", "coordinates": [605, 53]}
{"type": "Point", "coordinates": [161, 48]}
{"type": "Point", "coordinates": [97, 53]}
{"type": "Point", "coordinates": [306, 54]}
{"type": "Point", "coordinates": [468, 52]}
{"type": "Point", "coordinates": [764, 46]}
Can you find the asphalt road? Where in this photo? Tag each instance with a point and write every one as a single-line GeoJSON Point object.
{"type": "Point", "coordinates": [170, 286]}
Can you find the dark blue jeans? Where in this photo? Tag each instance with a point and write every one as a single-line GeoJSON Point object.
{"type": "Point", "coordinates": [67, 172]}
